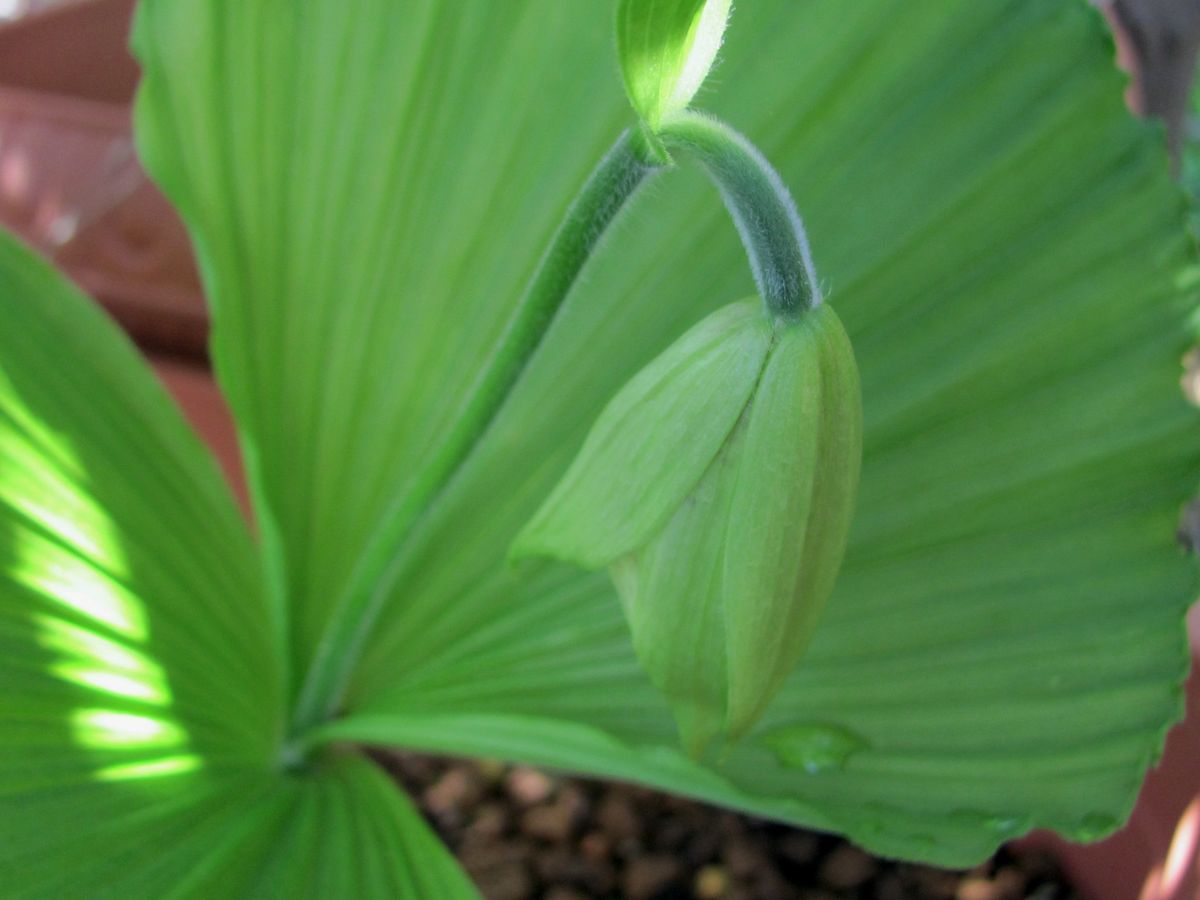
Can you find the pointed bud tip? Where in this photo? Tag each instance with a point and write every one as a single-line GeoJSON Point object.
{"type": "Point", "coordinates": [667, 48]}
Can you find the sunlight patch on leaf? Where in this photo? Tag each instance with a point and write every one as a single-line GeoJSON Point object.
{"type": "Point", "coordinates": [82, 566]}
{"type": "Point", "coordinates": [84, 650]}
{"type": "Point", "coordinates": [158, 768]}
{"type": "Point", "coordinates": [113, 683]}
{"type": "Point", "coordinates": [105, 728]}
{"type": "Point", "coordinates": [73, 584]}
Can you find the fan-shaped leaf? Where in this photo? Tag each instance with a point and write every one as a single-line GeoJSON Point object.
{"type": "Point", "coordinates": [1001, 241]}
{"type": "Point", "coordinates": [141, 708]}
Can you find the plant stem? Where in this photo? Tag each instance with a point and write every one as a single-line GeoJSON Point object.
{"type": "Point", "coordinates": [761, 207]}
{"type": "Point", "coordinates": [615, 180]}
{"type": "Point", "coordinates": [773, 235]}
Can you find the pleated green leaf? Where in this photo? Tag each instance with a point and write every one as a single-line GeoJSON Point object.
{"type": "Point", "coordinates": [318, 155]}
{"type": "Point", "coordinates": [370, 192]}
{"type": "Point", "coordinates": [667, 48]}
{"type": "Point", "coordinates": [342, 829]}
{"type": "Point", "coordinates": [141, 713]}
{"type": "Point", "coordinates": [137, 648]}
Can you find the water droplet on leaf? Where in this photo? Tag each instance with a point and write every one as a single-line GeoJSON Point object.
{"type": "Point", "coordinates": [1095, 826]}
{"type": "Point", "coordinates": [1000, 824]}
{"type": "Point", "coordinates": [814, 747]}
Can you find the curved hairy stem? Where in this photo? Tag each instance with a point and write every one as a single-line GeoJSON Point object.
{"type": "Point", "coordinates": [761, 207]}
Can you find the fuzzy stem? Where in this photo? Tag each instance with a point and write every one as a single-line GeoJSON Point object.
{"type": "Point", "coordinates": [761, 207]}
{"type": "Point", "coordinates": [615, 180]}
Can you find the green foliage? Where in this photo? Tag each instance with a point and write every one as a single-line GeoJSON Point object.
{"type": "Point", "coordinates": [143, 711]}
{"type": "Point", "coordinates": [369, 191]}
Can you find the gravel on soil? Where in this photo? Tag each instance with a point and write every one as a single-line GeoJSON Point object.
{"type": "Point", "coordinates": [524, 834]}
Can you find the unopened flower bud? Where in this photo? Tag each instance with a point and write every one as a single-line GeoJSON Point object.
{"type": "Point", "coordinates": [718, 487]}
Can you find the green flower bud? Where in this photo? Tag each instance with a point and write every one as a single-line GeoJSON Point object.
{"type": "Point", "coordinates": [718, 487]}
{"type": "Point", "coordinates": [667, 48]}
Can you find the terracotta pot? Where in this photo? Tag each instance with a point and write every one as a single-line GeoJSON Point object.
{"type": "Point", "coordinates": [193, 388]}
{"type": "Point", "coordinates": [70, 182]}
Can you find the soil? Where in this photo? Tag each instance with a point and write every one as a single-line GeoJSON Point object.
{"type": "Point", "coordinates": [524, 834]}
